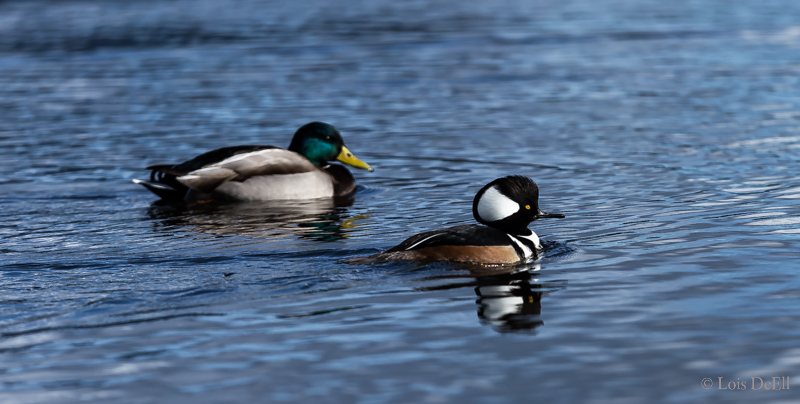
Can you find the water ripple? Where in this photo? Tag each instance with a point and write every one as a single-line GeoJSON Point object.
{"type": "Point", "coordinates": [665, 132]}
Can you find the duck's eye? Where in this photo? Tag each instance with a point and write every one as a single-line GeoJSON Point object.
{"type": "Point", "coordinates": [327, 138]}
{"type": "Point", "coordinates": [527, 207]}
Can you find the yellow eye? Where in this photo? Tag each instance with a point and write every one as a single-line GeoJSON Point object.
{"type": "Point", "coordinates": [528, 207]}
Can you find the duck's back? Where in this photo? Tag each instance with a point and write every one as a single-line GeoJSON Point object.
{"type": "Point", "coordinates": [209, 158]}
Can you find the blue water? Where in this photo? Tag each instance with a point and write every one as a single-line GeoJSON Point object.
{"type": "Point", "coordinates": [668, 133]}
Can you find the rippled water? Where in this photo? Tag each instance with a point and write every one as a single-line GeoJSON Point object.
{"type": "Point", "coordinates": [667, 132]}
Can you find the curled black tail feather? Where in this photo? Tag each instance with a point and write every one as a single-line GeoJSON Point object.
{"type": "Point", "coordinates": [163, 190]}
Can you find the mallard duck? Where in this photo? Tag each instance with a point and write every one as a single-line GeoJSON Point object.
{"type": "Point", "coordinates": [261, 173]}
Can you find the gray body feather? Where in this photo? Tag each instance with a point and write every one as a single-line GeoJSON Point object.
{"type": "Point", "coordinates": [269, 174]}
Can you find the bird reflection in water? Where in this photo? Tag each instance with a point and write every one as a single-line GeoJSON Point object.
{"type": "Point", "coordinates": [316, 219]}
{"type": "Point", "coordinates": [509, 300]}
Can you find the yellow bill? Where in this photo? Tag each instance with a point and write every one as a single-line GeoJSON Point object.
{"type": "Point", "coordinates": [347, 157]}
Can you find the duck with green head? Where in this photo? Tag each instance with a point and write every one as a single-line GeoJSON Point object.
{"type": "Point", "coordinates": [260, 173]}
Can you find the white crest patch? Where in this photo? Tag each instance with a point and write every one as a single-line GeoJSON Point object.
{"type": "Point", "coordinates": [494, 206]}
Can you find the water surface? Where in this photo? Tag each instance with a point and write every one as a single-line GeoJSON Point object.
{"type": "Point", "coordinates": [666, 132]}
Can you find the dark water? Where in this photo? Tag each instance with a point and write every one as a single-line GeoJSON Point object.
{"type": "Point", "coordinates": [667, 132]}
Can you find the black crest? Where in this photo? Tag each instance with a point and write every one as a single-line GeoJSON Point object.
{"type": "Point", "coordinates": [521, 190]}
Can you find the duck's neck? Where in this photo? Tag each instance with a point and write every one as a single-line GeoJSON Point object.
{"type": "Point", "coordinates": [511, 226]}
{"type": "Point", "coordinates": [316, 151]}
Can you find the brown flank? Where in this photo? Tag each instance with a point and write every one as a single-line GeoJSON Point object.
{"type": "Point", "coordinates": [485, 255]}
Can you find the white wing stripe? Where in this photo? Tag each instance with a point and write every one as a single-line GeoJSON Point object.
{"type": "Point", "coordinates": [423, 240]}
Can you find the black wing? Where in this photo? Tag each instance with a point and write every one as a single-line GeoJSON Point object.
{"type": "Point", "coordinates": [467, 235]}
{"type": "Point", "coordinates": [211, 157]}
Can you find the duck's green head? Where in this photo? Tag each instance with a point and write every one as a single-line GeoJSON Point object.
{"type": "Point", "coordinates": [320, 143]}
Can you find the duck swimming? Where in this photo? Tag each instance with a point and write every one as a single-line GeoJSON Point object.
{"type": "Point", "coordinates": [506, 206]}
{"type": "Point", "coordinates": [262, 173]}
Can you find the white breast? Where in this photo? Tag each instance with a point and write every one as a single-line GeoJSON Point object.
{"type": "Point", "coordinates": [527, 251]}
{"type": "Point", "coordinates": [534, 239]}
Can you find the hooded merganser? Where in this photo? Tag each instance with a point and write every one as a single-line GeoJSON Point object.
{"type": "Point", "coordinates": [259, 173]}
{"type": "Point", "coordinates": [506, 206]}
